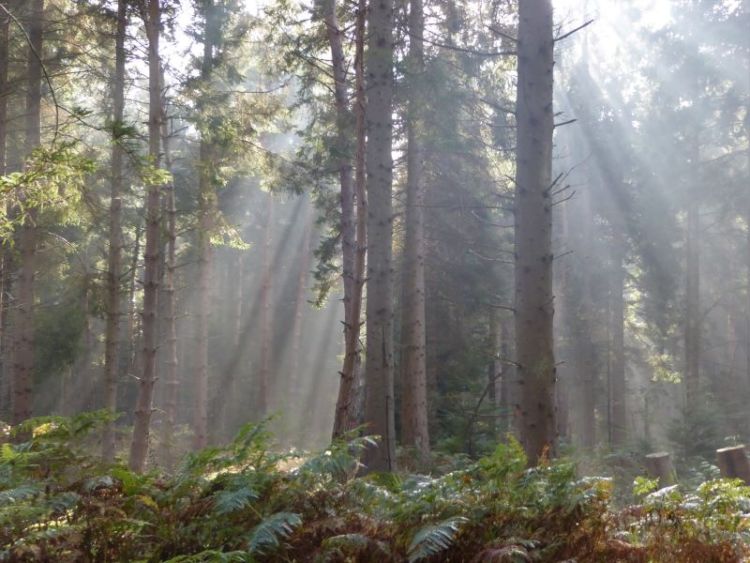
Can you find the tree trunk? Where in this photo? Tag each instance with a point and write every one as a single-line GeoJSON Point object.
{"type": "Point", "coordinates": [533, 240]}
{"type": "Point", "coordinates": [747, 263]}
{"type": "Point", "coordinates": [506, 373]}
{"type": "Point", "coordinates": [618, 386]}
{"type": "Point", "coordinates": [692, 321]}
{"type": "Point", "coordinates": [733, 463]}
{"type": "Point", "coordinates": [360, 184]}
{"type": "Point", "coordinates": [206, 212]}
{"type": "Point", "coordinates": [659, 466]}
{"type": "Point", "coordinates": [24, 325]}
{"type": "Point", "coordinates": [129, 353]}
{"type": "Point", "coordinates": [141, 429]}
{"type": "Point", "coordinates": [414, 424]}
{"type": "Point", "coordinates": [346, 412]}
{"type": "Point", "coordinates": [5, 259]}
{"type": "Point", "coordinates": [170, 315]}
{"type": "Point", "coordinates": [114, 266]}
{"type": "Point", "coordinates": [379, 401]}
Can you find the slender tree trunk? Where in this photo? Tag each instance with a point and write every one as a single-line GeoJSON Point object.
{"type": "Point", "coordinates": [114, 267]}
{"type": "Point", "coordinates": [266, 318]}
{"type": "Point", "coordinates": [346, 417]}
{"type": "Point", "coordinates": [24, 325]}
{"type": "Point", "coordinates": [360, 184]}
{"type": "Point", "coordinates": [141, 429]}
{"type": "Point", "coordinates": [618, 386]}
{"type": "Point", "coordinates": [494, 369]}
{"type": "Point", "coordinates": [414, 424]}
{"type": "Point", "coordinates": [747, 262]}
{"type": "Point", "coordinates": [693, 321]}
{"type": "Point", "coordinates": [505, 370]}
{"type": "Point", "coordinates": [129, 353]}
{"type": "Point", "coordinates": [207, 204]}
{"type": "Point", "coordinates": [379, 400]}
{"type": "Point", "coordinates": [5, 257]}
{"type": "Point", "coordinates": [170, 312]}
{"type": "Point", "coordinates": [534, 299]}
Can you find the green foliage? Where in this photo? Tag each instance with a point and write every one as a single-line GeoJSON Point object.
{"type": "Point", "coordinates": [268, 535]}
{"type": "Point", "coordinates": [245, 503]}
{"type": "Point", "coordinates": [434, 539]}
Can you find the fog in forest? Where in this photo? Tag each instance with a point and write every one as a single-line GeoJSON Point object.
{"type": "Point", "coordinates": [375, 280]}
{"type": "Point", "coordinates": [218, 213]}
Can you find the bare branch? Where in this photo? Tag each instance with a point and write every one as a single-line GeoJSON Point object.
{"type": "Point", "coordinates": [574, 30]}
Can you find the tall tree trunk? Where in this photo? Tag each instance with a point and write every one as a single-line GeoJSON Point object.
{"type": "Point", "coordinates": [346, 416]}
{"type": "Point", "coordinates": [494, 369]}
{"type": "Point", "coordinates": [505, 370]}
{"type": "Point", "coordinates": [114, 266]}
{"type": "Point", "coordinates": [170, 313]}
{"type": "Point", "coordinates": [5, 258]}
{"type": "Point", "coordinates": [414, 424]}
{"type": "Point", "coordinates": [618, 386]}
{"type": "Point", "coordinates": [747, 251]}
{"type": "Point", "coordinates": [130, 337]}
{"type": "Point", "coordinates": [360, 184]}
{"type": "Point", "coordinates": [206, 210]}
{"type": "Point", "coordinates": [266, 318]}
{"type": "Point", "coordinates": [24, 325]}
{"type": "Point", "coordinates": [533, 263]}
{"type": "Point", "coordinates": [379, 400]}
{"type": "Point", "coordinates": [143, 408]}
{"type": "Point", "coordinates": [692, 321]}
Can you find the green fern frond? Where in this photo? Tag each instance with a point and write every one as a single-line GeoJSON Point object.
{"type": "Point", "coordinates": [18, 494]}
{"type": "Point", "coordinates": [233, 500]}
{"type": "Point", "coordinates": [435, 538]}
{"type": "Point", "coordinates": [214, 556]}
{"type": "Point", "coordinates": [355, 545]}
{"type": "Point", "coordinates": [270, 532]}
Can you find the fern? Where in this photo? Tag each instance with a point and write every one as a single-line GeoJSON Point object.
{"type": "Point", "coordinates": [233, 500]}
{"type": "Point", "coordinates": [270, 532]}
{"type": "Point", "coordinates": [214, 556]}
{"type": "Point", "coordinates": [18, 494]}
{"type": "Point", "coordinates": [435, 538]}
{"type": "Point", "coordinates": [354, 545]}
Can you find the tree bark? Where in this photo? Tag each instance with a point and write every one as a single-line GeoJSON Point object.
{"type": "Point", "coordinates": [659, 466]}
{"type": "Point", "coordinates": [170, 314]}
{"type": "Point", "coordinates": [24, 325]}
{"type": "Point", "coordinates": [139, 445]}
{"type": "Point", "coordinates": [414, 423]}
{"type": "Point", "coordinates": [6, 257]}
{"type": "Point", "coordinates": [206, 212]}
{"type": "Point", "coordinates": [346, 416]}
{"type": "Point", "coordinates": [379, 401]}
{"type": "Point", "coordinates": [533, 237]}
{"type": "Point", "coordinates": [114, 265]}
{"type": "Point", "coordinates": [747, 258]}
{"type": "Point", "coordinates": [733, 463]}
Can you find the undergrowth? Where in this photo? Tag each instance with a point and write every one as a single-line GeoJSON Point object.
{"type": "Point", "coordinates": [242, 502]}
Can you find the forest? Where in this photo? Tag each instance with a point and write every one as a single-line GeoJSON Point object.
{"type": "Point", "coordinates": [375, 280]}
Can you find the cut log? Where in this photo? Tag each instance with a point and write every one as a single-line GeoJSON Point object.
{"type": "Point", "coordinates": [659, 466]}
{"type": "Point", "coordinates": [733, 463]}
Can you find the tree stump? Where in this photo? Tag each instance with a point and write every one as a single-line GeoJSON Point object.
{"type": "Point", "coordinates": [733, 463]}
{"type": "Point", "coordinates": [659, 466]}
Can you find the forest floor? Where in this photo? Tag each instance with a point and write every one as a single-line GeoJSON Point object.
{"type": "Point", "coordinates": [245, 502]}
